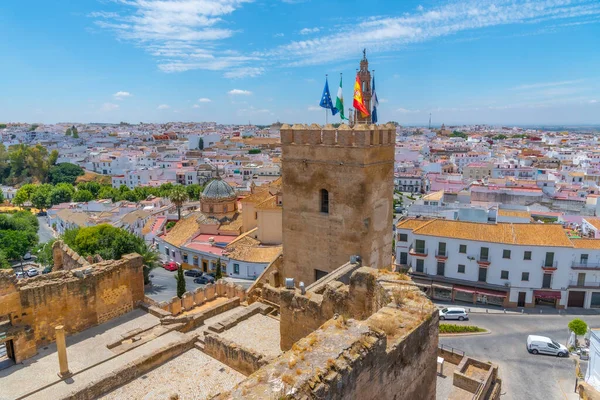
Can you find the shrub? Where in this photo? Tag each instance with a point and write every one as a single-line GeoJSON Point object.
{"type": "Point", "coordinates": [451, 328]}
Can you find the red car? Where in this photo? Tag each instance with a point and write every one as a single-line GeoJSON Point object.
{"type": "Point", "coordinates": [170, 266]}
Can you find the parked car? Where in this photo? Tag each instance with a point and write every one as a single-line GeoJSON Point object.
{"type": "Point", "coordinates": [204, 279]}
{"type": "Point", "coordinates": [545, 345]}
{"type": "Point", "coordinates": [20, 275]}
{"type": "Point", "coordinates": [170, 266]}
{"type": "Point", "coordinates": [47, 270]}
{"type": "Point", "coordinates": [32, 272]}
{"type": "Point", "coordinates": [27, 256]}
{"type": "Point", "coordinates": [196, 273]}
{"type": "Point", "coordinates": [458, 313]}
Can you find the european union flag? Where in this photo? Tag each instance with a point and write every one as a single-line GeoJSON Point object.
{"type": "Point", "coordinates": [326, 99]}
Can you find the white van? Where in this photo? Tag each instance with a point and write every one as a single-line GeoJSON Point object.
{"type": "Point", "coordinates": [545, 345]}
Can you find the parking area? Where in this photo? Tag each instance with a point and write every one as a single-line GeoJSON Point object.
{"type": "Point", "coordinates": [524, 375]}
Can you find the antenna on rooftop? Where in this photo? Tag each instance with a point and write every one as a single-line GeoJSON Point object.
{"type": "Point", "coordinates": [429, 120]}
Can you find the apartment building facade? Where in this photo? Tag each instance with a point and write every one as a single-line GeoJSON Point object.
{"type": "Point", "coordinates": [503, 264]}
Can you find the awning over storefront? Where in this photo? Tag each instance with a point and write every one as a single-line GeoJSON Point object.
{"type": "Point", "coordinates": [547, 294]}
{"type": "Point", "coordinates": [464, 289]}
{"type": "Point", "coordinates": [442, 285]}
{"type": "Point", "coordinates": [486, 292]}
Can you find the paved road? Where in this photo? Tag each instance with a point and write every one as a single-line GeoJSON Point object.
{"type": "Point", "coordinates": [164, 285]}
{"type": "Point", "coordinates": [525, 376]}
{"type": "Point", "coordinates": [45, 233]}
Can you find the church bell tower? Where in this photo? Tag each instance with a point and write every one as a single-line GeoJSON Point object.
{"type": "Point", "coordinates": [364, 75]}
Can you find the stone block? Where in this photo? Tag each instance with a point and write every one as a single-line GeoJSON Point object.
{"type": "Point", "coordinates": [199, 297]}
{"type": "Point", "coordinates": [175, 305]}
{"type": "Point", "coordinates": [187, 301]}
{"type": "Point", "coordinates": [210, 291]}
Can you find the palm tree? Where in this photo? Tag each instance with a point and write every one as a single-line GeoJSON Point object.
{"type": "Point", "coordinates": [151, 260]}
{"type": "Point", "coordinates": [178, 196]}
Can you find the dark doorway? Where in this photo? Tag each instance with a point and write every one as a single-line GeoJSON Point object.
{"type": "Point", "coordinates": [204, 266]}
{"type": "Point", "coordinates": [521, 301]}
{"type": "Point", "coordinates": [576, 299]}
{"type": "Point", "coordinates": [440, 268]}
{"type": "Point", "coordinates": [482, 274]}
{"type": "Point", "coordinates": [319, 274]}
{"type": "Point", "coordinates": [547, 281]}
{"type": "Point", "coordinates": [403, 258]}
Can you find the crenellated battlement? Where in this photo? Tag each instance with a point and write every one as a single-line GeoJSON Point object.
{"type": "Point", "coordinates": [344, 135]}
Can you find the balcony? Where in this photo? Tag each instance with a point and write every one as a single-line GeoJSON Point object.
{"type": "Point", "coordinates": [418, 252]}
{"type": "Point", "coordinates": [549, 266]}
{"type": "Point", "coordinates": [441, 255]}
{"type": "Point", "coordinates": [484, 261]}
{"type": "Point", "coordinates": [578, 284]}
{"type": "Point", "coordinates": [585, 266]}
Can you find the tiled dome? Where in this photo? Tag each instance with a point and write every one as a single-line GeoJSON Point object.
{"type": "Point", "coordinates": [218, 189]}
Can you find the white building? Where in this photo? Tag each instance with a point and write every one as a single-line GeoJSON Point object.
{"type": "Point", "coordinates": [505, 264]}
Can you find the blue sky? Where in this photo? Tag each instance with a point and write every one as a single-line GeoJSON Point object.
{"type": "Point", "coordinates": [234, 61]}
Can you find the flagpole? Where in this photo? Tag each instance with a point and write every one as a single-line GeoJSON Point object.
{"type": "Point", "coordinates": [341, 111]}
{"type": "Point", "coordinates": [326, 121]}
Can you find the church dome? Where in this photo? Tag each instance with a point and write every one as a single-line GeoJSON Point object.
{"type": "Point", "coordinates": [218, 189]}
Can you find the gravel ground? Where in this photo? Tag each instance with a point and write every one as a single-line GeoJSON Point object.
{"type": "Point", "coordinates": [193, 375]}
{"type": "Point", "coordinates": [259, 333]}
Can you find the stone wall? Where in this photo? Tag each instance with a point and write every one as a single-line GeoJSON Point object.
{"type": "Point", "coordinates": [77, 299]}
{"type": "Point", "coordinates": [237, 357]}
{"type": "Point", "coordinates": [376, 338]}
{"type": "Point", "coordinates": [199, 296]}
{"type": "Point", "coordinates": [356, 167]}
{"type": "Point", "coordinates": [65, 258]}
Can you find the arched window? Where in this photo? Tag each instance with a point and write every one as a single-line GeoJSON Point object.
{"type": "Point", "coordinates": [324, 201]}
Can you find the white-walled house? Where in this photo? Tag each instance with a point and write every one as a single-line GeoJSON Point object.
{"type": "Point", "coordinates": [504, 264]}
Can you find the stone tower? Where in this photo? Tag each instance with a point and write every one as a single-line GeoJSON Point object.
{"type": "Point", "coordinates": [365, 81]}
{"type": "Point", "coordinates": [337, 197]}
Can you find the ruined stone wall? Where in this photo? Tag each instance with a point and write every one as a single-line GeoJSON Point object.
{"type": "Point", "coordinates": [355, 165]}
{"type": "Point", "coordinates": [65, 258]}
{"type": "Point", "coordinates": [201, 295]}
{"type": "Point", "coordinates": [237, 357]}
{"type": "Point", "coordinates": [74, 299]}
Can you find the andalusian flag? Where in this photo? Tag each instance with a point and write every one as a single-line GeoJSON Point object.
{"type": "Point", "coordinates": [359, 103]}
{"type": "Point", "coordinates": [339, 101]}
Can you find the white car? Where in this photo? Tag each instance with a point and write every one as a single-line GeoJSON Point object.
{"type": "Point", "coordinates": [545, 345]}
{"type": "Point", "coordinates": [458, 313]}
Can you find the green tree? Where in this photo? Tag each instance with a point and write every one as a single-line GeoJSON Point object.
{"type": "Point", "coordinates": [33, 127]}
{"type": "Point", "coordinates": [15, 243]}
{"type": "Point", "coordinates": [44, 253]}
{"type": "Point", "coordinates": [68, 132]}
{"type": "Point", "coordinates": [194, 191]}
{"type": "Point", "coordinates": [4, 264]}
{"type": "Point", "coordinates": [254, 151]}
{"type": "Point", "coordinates": [219, 271]}
{"type": "Point", "coordinates": [40, 198]}
{"type": "Point", "coordinates": [201, 144]}
{"type": "Point", "coordinates": [578, 326]}
{"type": "Point", "coordinates": [1, 197]}
{"type": "Point", "coordinates": [23, 195]}
{"type": "Point", "coordinates": [178, 196]}
{"type": "Point", "coordinates": [93, 187]}
{"type": "Point", "coordinates": [62, 193]}
{"type": "Point", "coordinates": [83, 196]}
{"type": "Point", "coordinates": [180, 282]}
{"type": "Point", "coordinates": [64, 172]}
{"type": "Point", "coordinates": [108, 192]}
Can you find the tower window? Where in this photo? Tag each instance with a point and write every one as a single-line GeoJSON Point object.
{"type": "Point", "coordinates": [324, 201]}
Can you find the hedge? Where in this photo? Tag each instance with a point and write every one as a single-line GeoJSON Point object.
{"type": "Point", "coordinates": [451, 328]}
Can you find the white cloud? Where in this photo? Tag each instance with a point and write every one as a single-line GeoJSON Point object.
{"type": "Point", "coordinates": [122, 95]}
{"type": "Point", "coordinates": [109, 107]}
{"type": "Point", "coordinates": [544, 85]}
{"type": "Point", "coordinates": [315, 108]}
{"type": "Point", "coordinates": [177, 33]}
{"type": "Point", "coordinates": [420, 8]}
{"type": "Point", "coordinates": [163, 107]}
{"type": "Point", "coordinates": [246, 72]}
{"type": "Point", "coordinates": [308, 31]}
{"type": "Point", "coordinates": [382, 100]}
{"type": "Point", "coordinates": [593, 101]}
{"type": "Point", "coordinates": [407, 111]}
{"type": "Point", "coordinates": [280, 34]}
{"type": "Point", "coordinates": [389, 33]}
{"type": "Point", "coordinates": [240, 92]}
{"type": "Point", "coordinates": [196, 106]}
{"type": "Point", "coordinates": [204, 100]}
{"type": "Point", "coordinates": [250, 111]}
